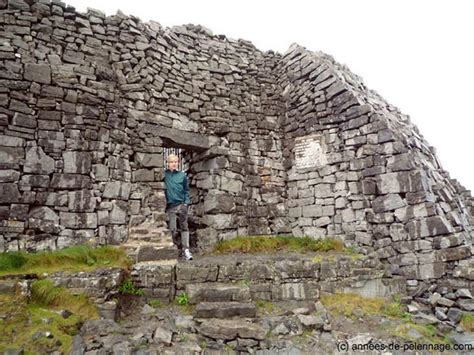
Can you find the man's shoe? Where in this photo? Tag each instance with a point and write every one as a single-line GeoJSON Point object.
{"type": "Point", "coordinates": [188, 255]}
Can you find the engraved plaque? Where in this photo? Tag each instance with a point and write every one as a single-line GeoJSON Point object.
{"type": "Point", "coordinates": [310, 152]}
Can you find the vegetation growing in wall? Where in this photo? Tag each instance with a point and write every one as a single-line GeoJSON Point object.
{"type": "Point", "coordinates": [155, 303]}
{"type": "Point", "coordinates": [268, 244]}
{"type": "Point", "coordinates": [76, 258]}
{"type": "Point", "coordinates": [46, 322]}
{"type": "Point", "coordinates": [182, 300]}
{"type": "Point", "coordinates": [265, 307]}
{"type": "Point", "coordinates": [128, 288]}
{"type": "Point", "coordinates": [352, 305]}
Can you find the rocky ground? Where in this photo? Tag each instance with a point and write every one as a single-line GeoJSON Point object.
{"type": "Point", "coordinates": [277, 328]}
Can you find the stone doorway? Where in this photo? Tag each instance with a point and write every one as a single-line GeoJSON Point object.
{"type": "Point", "coordinates": [185, 159]}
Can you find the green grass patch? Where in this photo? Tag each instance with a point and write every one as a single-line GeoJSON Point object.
{"type": "Point", "coordinates": [352, 305]}
{"type": "Point", "coordinates": [264, 306]}
{"type": "Point", "coordinates": [25, 323]}
{"type": "Point", "coordinates": [155, 303]}
{"type": "Point", "coordinates": [45, 294]}
{"type": "Point", "coordinates": [467, 322]}
{"type": "Point", "coordinates": [76, 258]}
{"type": "Point", "coordinates": [267, 244]}
{"type": "Point", "coordinates": [396, 310]}
{"type": "Point", "coordinates": [428, 331]}
{"type": "Point", "coordinates": [182, 301]}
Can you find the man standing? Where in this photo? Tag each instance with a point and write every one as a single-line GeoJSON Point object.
{"type": "Point", "coordinates": [177, 200]}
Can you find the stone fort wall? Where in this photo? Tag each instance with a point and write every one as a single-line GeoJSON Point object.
{"type": "Point", "coordinates": [277, 144]}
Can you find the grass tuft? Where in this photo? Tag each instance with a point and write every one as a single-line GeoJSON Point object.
{"type": "Point", "coordinates": [76, 258]}
{"type": "Point", "coordinates": [267, 244]}
{"type": "Point", "coordinates": [155, 303]}
{"type": "Point", "coordinates": [352, 305]}
{"type": "Point", "coordinates": [45, 294]}
{"type": "Point", "coordinates": [23, 319]}
{"type": "Point", "coordinates": [396, 310]}
{"type": "Point", "coordinates": [265, 307]}
{"type": "Point", "coordinates": [128, 288]}
{"type": "Point", "coordinates": [467, 322]}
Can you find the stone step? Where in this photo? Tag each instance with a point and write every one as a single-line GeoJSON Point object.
{"type": "Point", "coordinates": [217, 292]}
{"type": "Point", "coordinates": [8, 287]}
{"type": "Point", "coordinates": [230, 329]}
{"type": "Point", "coordinates": [225, 310]}
{"type": "Point", "coordinates": [149, 251]}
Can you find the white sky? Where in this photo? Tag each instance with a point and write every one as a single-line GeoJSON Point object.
{"type": "Point", "coordinates": [417, 54]}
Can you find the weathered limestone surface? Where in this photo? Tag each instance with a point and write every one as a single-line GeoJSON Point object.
{"type": "Point", "coordinates": [276, 143]}
{"type": "Point", "coordinates": [245, 278]}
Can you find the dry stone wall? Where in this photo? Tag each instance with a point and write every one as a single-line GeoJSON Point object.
{"type": "Point", "coordinates": [291, 143]}
{"type": "Point", "coordinates": [87, 104]}
{"type": "Point", "coordinates": [373, 180]}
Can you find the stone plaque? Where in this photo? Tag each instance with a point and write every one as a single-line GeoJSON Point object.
{"type": "Point", "coordinates": [310, 152]}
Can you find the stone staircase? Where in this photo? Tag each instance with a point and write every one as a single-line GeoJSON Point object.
{"type": "Point", "coordinates": [150, 241]}
{"type": "Point", "coordinates": [221, 300]}
{"type": "Point", "coordinates": [225, 311]}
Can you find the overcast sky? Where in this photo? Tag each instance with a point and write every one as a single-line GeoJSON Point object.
{"type": "Point", "coordinates": [418, 54]}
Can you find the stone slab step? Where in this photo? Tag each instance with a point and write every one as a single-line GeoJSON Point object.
{"type": "Point", "coordinates": [8, 287]}
{"type": "Point", "coordinates": [217, 292]}
{"type": "Point", "coordinates": [225, 310]}
{"type": "Point", "coordinates": [230, 329]}
{"type": "Point", "coordinates": [150, 251]}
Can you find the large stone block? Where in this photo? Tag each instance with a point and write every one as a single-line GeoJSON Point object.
{"type": "Point", "coordinates": [70, 182]}
{"type": "Point", "coordinates": [178, 138]}
{"type": "Point", "coordinates": [100, 172]}
{"type": "Point", "coordinates": [323, 191]}
{"type": "Point", "coordinates": [78, 220]}
{"type": "Point", "coordinates": [451, 254]}
{"type": "Point", "coordinates": [424, 271]}
{"type": "Point", "coordinates": [313, 211]}
{"type": "Point", "coordinates": [218, 221]}
{"type": "Point", "coordinates": [44, 219]}
{"type": "Point", "coordinates": [393, 183]}
{"type": "Point", "coordinates": [117, 189]}
{"type": "Point", "coordinates": [295, 212]}
{"type": "Point", "coordinates": [37, 162]}
{"type": "Point", "coordinates": [148, 160]}
{"type": "Point", "coordinates": [401, 162]}
{"type": "Point", "coordinates": [225, 310]}
{"type": "Point", "coordinates": [11, 155]}
{"type": "Point", "coordinates": [9, 193]}
{"type": "Point", "coordinates": [217, 292]}
{"type": "Point", "coordinates": [232, 329]}
{"type": "Point", "coordinates": [35, 181]}
{"type": "Point", "coordinates": [118, 215]}
{"type": "Point", "coordinates": [9, 141]}
{"type": "Point", "coordinates": [231, 185]}
{"type": "Point", "coordinates": [218, 202]}
{"type": "Point", "coordinates": [143, 175]}
{"type": "Point", "coordinates": [417, 211]}
{"type": "Point", "coordinates": [387, 203]}
{"type": "Point", "coordinates": [83, 200]}
{"type": "Point", "coordinates": [77, 162]}
{"type": "Point", "coordinates": [449, 241]}
{"type": "Point", "coordinates": [40, 73]}
{"type": "Point", "coordinates": [9, 175]}
{"type": "Point", "coordinates": [429, 227]}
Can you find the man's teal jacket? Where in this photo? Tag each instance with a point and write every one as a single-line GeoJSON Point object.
{"type": "Point", "coordinates": [177, 189]}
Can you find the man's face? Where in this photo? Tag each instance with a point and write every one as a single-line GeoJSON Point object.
{"type": "Point", "coordinates": [173, 164]}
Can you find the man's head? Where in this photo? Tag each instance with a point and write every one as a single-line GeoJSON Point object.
{"type": "Point", "coordinates": [172, 162]}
